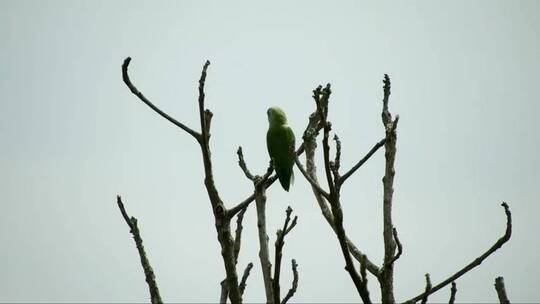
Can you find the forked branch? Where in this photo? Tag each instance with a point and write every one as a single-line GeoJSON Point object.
{"type": "Point", "coordinates": [428, 288]}
{"type": "Point", "coordinates": [322, 97]}
{"type": "Point", "coordinates": [221, 218]}
{"type": "Point", "coordinates": [280, 241]}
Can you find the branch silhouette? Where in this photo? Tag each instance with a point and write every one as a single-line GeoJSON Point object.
{"type": "Point", "coordinates": [329, 202]}
{"type": "Point", "coordinates": [155, 298]}
{"type": "Point", "coordinates": [501, 241]}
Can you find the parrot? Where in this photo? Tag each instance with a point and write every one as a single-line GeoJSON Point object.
{"type": "Point", "coordinates": [280, 142]}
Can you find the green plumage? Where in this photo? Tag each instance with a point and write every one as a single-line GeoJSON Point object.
{"type": "Point", "coordinates": [280, 143]}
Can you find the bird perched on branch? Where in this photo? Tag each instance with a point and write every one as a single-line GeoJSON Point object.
{"type": "Point", "coordinates": [280, 143]}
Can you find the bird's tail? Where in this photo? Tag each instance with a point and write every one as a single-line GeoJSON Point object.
{"type": "Point", "coordinates": [286, 178]}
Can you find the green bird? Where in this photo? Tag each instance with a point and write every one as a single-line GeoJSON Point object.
{"type": "Point", "coordinates": [280, 143]}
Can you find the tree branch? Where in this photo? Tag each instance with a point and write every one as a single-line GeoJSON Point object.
{"type": "Point", "coordinates": [453, 291]}
{"type": "Point", "coordinates": [361, 161]}
{"type": "Point", "coordinates": [313, 183]}
{"type": "Point", "coordinates": [477, 261]}
{"type": "Point", "coordinates": [155, 298]}
{"type": "Point", "coordinates": [501, 291]}
{"type": "Point", "coordinates": [237, 245]}
{"type": "Point", "coordinates": [322, 99]}
{"type": "Point", "coordinates": [428, 288]}
{"type": "Point", "coordinates": [310, 144]}
{"type": "Point", "coordinates": [221, 218]}
{"type": "Point", "coordinates": [291, 291]}
{"type": "Point", "coordinates": [242, 164]}
{"type": "Point", "coordinates": [280, 241]}
{"type": "Point", "coordinates": [386, 277]}
{"type": "Point", "coordinates": [224, 292]}
{"type": "Point", "coordinates": [269, 181]}
{"type": "Point", "coordinates": [238, 233]}
{"type": "Point", "coordinates": [245, 277]}
{"type": "Point", "coordinates": [264, 257]}
{"type": "Point", "coordinates": [134, 90]}
{"type": "Point", "coordinates": [399, 246]}
{"type": "Point", "coordinates": [204, 114]}
{"type": "Point", "coordinates": [363, 273]}
{"type": "Point", "coordinates": [334, 166]}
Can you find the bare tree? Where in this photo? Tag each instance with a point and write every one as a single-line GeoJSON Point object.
{"type": "Point", "coordinates": [329, 202]}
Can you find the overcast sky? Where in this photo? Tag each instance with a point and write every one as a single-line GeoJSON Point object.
{"type": "Point", "coordinates": [464, 82]}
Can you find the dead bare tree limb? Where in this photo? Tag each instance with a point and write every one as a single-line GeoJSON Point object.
{"type": "Point", "coordinates": [363, 273]}
{"type": "Point", "coordinates": [310, 144]}
{"type": "Point", "coordinates": [237, 245]}
{"type": "Point", "coordinates": [260, 203]}
{"type": "Point", "coordinates": [221, 216]}
{"type": "Point", "coordinates": [268, 181]}
{"type": "Point", "coordinates": [245, 277]}
{"type": "Point", "coordinates": [428, 288]}
{"type": "Point", "coordinates": [453, 291]}
{"type": "Point", "coordinates": [321, 97]}
{"type": "Point", "coordinates": [280, 242]}
{"type": "Point", "coordinates": [364, 159]}
{"type": "Point", "coordinates": [155, 298]}
{"type": "Point", "coordinates": [501, 291]}
{"type": "Point", "coordinates": [294, 286]}
{"type": "Point", "coordinates": [501, 241]}
{"type": "Point", "coordinates": [386, 277]}
{"type": "Point", "coordinates": [137, 93]}
{"type": "Point", "coordinates": [312, 182]}
{"type": "Point", "coordinates": [264, 256]}
{"type": "Point", "coordinates": [399, 247]}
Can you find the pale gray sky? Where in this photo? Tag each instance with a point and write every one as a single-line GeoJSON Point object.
{"type": "Point", "coordinates": [464, 81]}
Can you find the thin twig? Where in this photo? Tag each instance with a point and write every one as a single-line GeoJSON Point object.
{"type": "Point", "coordinates": [386, 116]}
{"type": "Point", "coordinates": [269, 182]}
{"type": "Point", "coordinates": [134, 90]}
{"type": "Point", "coordinates": [238, 233]}
{"type": "Point", "coordinates": [501, 291]}
{"type": "Point", "coordinates": [245, 277]}
{"type": "Point", "coordinates": [294, 286]}
{"type": "Point", "coordinates": [155, 298]}
{"type": "Point", "coordinates": [362, 161]}
{"type": "Point", "coordinates": [399, 246]}
{"type": "Point", "coordinates": [204, 114]}
{"type": "Point", "coordinates": [477, 261]}
{"type": "Point", "coordinates": [242, 164]}
{"type": "Point", "coordinates": [334, 166]}
{"type": "Point", "coordinates": [453, 291]}
{"type": "Point", "coordinates": [310, 180]}
{"type": "Point", "coordinates": [428, 288]}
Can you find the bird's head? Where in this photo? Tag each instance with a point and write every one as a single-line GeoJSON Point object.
{"type": "Point", "coordinates": [276, 116]}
